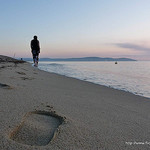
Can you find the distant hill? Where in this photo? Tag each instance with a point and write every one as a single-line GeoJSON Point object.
{"type": "Point", "coordinates": [82, 59]}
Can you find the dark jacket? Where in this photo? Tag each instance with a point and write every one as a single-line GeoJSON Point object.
{"type": "Point", "coordinates": [35, 45]}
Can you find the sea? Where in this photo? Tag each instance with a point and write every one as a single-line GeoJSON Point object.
{"type": "Point", "coordinates": [131, 76]}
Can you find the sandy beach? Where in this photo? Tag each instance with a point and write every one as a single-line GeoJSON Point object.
{"type": "Point", "coordinates": [43, 111]}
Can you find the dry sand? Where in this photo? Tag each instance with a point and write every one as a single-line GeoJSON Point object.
{"type": "Point", "coordinates": [43, 111]}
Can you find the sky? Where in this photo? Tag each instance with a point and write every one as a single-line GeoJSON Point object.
{"type": "Point", "coordinates": [76, 28]}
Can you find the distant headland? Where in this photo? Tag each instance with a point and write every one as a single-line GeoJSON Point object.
{"type": "Point", "coordinates": [82, 59]}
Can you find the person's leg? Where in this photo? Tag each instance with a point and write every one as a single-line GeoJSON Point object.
{"type": "Point", "coordinates": [37, 58]}
{"type": "Point", "coordinates": [34, 58]}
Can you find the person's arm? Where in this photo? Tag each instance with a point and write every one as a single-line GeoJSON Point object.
{"type": "Point", "coordinates": [31, 45]}
{"type": "Point", "coordinates": [39, 46]}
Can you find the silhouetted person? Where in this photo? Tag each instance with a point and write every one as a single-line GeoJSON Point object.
{"type": "Point", "coordinates": [35, 46]}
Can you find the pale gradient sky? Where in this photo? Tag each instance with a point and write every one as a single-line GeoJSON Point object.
{"type": "Point", "coordinates": [76, 28]}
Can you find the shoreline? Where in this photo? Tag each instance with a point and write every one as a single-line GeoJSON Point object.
{"type": "Point", "coordinates": [81, 115]}
{"type": "Point", "coordinates": [96, 84]}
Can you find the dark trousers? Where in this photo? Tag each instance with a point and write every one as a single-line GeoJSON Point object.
{"type": "Point", "coordinates": [35, 55]}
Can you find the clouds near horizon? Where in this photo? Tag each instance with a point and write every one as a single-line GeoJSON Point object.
{"type": "Point", "coordinates": [138, 50]}
{"type": "Point", "coordinates": [133, 46]}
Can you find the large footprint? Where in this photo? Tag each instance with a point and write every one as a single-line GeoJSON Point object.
{"type": "Point", "coordinates": [37, 128]}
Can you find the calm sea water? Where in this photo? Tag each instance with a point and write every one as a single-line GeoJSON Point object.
{"type": "Point", "coordinates": [128, 76]}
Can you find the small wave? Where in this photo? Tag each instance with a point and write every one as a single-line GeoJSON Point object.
{"type": "Point", "coordinates": [52, 65]}
{"type": "Point", "coordinates": [55, 64]}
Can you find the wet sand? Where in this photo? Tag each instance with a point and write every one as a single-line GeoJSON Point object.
{"type": "Point", "coordinates": [42, 111]}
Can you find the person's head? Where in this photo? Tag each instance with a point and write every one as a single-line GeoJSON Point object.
{"type": "Point", "coordinates": [35, 37]}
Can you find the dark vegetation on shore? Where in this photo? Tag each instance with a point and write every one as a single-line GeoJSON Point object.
{"type": "Point", "coordinates": [9, 59]}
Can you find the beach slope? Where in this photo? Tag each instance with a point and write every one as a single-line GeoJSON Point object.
{"type": "Point", "coordinates": [41, 110]}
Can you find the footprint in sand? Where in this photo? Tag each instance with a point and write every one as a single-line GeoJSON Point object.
{"type": "Point", "coordinates": [26, 78]}
{"type": "Point", "coordinates": [2, 67]}
{"type": "Point", "coordinates": [37, 128]}
{"type": "Point", "coordinates": [5, 86]}
{"type": "Point", "coordinates": [22, 73]}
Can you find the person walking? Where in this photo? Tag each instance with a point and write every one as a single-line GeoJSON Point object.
{"type": "Point", "coordinates": [35, 49]}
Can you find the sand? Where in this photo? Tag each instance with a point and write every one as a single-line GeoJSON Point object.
{"type": "Point", "coordinates": [43, 111]}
